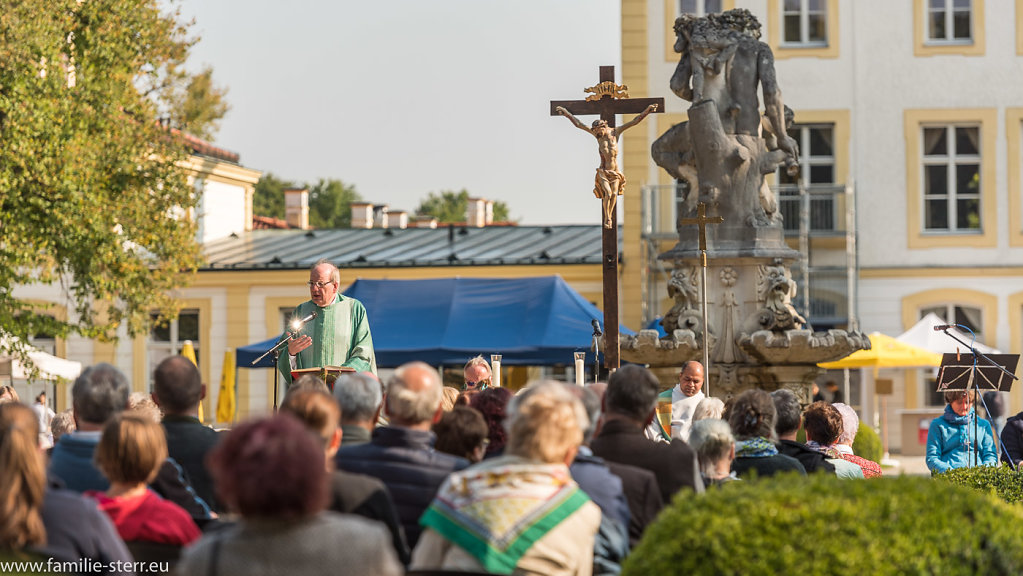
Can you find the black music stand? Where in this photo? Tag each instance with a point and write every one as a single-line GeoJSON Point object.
{"type": "Point", "coordinates": [977, 371]}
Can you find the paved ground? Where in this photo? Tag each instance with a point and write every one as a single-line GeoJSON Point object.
{"type": "Point", "coordinates": [911, 465]}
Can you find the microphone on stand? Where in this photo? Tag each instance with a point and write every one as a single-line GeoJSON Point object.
{"type": "Point", "coordinates": [942, 327]}
{"type": "Point", "coordinates": [298, 324]}
{"type": "Point", "coordinates": [596, 327]}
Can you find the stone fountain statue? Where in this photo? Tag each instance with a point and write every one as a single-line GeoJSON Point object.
{"type": "Point", "coordinates": [756, 338]}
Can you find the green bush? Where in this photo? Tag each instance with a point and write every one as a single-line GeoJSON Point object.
{"type": "Point", "coordinates": [868, 444]}
{"type": "Point", "coordinates": [825, 525]}
{"type": "Point", "coordinates": [1003, 482]}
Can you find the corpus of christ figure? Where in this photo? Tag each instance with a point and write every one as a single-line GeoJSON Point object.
{"type": "Point", "coordinates": [609, 183]}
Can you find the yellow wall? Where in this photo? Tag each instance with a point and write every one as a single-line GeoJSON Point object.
{"type": "Point", "coordinates": [1013, 126]}
{"type": "Point", "coordinates": [635, 162]}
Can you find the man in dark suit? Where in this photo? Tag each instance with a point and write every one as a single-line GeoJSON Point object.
{"type": "Point", "coordinates": [605, 489]}
{"type": "Point", "coordinates": [630, 404]}
{"type": "Point", "coordinates": [401, 454]}
{"type": "Point", "coordinates": [177, 390]}
{"type": "Point", "coordinates": [790, 417]}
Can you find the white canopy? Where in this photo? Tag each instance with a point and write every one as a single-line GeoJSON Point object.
{"type": "Point", "coordinates": [922, 334]}
{"type": "Point", "coordinates": [50, 367]}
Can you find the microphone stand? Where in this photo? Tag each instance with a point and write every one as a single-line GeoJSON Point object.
{"type": "Point", "coordinates": [276, 351]}
{"type": "Point", "coordinates": [977, 354]}
{"type": "Point", "coordinates": [596, 349]}
{"type": "Point", "coordinates": [296, 325]}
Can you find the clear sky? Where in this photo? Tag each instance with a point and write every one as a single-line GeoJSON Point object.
{"type": "Point", "coordinates": [401, 98]}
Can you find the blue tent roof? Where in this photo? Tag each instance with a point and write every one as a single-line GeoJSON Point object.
{"type": "Point", "coordinates": [529, 321]}
{"type": "Point", "coordinates": [246, 355]}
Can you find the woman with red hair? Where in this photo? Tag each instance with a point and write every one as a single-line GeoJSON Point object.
{"type": "Point", "coordinates": [272, 472]}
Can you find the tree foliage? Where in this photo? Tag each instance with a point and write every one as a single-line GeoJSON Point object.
{"type": "Point", "coordinates": [330, 204]}
{"type": "Point", "coordinates": [449, 206]}
{"type": "Point", "coordinates": [268, 197]}
{"type": "Point", "coordinates": [196, 106]}
{"type": "Point", "coordinates": [329, 200]}
{"type": "Point", "coordinates": [92, 198]}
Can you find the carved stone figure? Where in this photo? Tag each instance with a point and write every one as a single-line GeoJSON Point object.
{"type": "Point", "coordinates": [722, 61]}
{"type": "Point", "coordinates": [776, 288]}
{"type": "Point", "coordinates": [683, 289]}
{"type": "Point", "coordinates": [755, 337]}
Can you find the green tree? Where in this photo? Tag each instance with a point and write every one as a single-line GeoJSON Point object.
{"type": "Point", "coordinates": [268, 197]}
{"type": "Point", "coordinates": [330, 204]}
{"type": "Point", "coordinates": [196, 106]}
{"type": "Point", "coordinates": [91, 195]}
{"type": "Point", "coordinates": [448, 206]}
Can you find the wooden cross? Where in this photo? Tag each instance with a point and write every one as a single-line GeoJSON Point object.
{"type": "Point", "coordinates": [608, 100]}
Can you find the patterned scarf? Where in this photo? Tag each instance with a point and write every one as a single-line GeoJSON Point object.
{"type": "Point", "coordinates": [829, 451]}
{"type": "Point", "coordinates": [758, 447]}
{"type": "Point", "coordinates": [496, 512]}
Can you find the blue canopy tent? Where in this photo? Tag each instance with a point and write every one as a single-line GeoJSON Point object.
{"type": "Point", "coordinates": [246, 355]}
{"type": "Point", "coordinates": [529, 321]}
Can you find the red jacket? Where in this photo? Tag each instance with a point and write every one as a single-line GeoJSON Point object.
{"type": "Point", "coordinates": [148, 518]}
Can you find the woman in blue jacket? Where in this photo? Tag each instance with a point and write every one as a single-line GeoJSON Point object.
{"type": "Point", "coordinates": [952, 435]}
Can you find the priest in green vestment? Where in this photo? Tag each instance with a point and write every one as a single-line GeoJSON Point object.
{"type": "Point", "coordinates": [339, 333]}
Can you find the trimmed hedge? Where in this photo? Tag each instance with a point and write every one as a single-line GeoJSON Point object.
{"type": "Point", "coordinates": [825, 525]}
{"type": "Point", "coordinates": [868, 444]}
{"type": "Point", "coordinates": [1003, 481]}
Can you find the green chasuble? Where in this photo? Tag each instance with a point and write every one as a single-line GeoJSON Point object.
{"type": "Point", "coordinates": [340, 334]}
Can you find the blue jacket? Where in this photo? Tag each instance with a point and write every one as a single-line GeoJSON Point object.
{"type": "Point", "coordinates": [405, 461]}
{"type": "Point", "coordinates": [949, 436]}
{"type": "Point", "coordinates": [71, 461]}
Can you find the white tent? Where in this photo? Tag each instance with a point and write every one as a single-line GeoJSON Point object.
{"type": "Point", "coordinates": [923, 335]}
{"type": "Point", "coordinates": [50, 367]}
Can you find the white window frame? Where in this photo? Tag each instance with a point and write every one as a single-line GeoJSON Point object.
{"type": "Point", "coordinates": [950, 160]}
{"type": "Point", "coordinates": [701, 7]}
{"type": "Point", "coordinates": [172, 346]}
{"type": "Point", "coordinates": [806, 161]}
{"type": "Point", "coordinates": [804, 14]}
{"type": "Point", "coordinates": [286, 315]}
{"type": "Point", "coordinates": [949, 9]}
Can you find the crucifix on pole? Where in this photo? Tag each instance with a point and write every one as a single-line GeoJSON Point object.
{"type": "Point", "coordinates": [607, 100]}
{"type": "Point", "coordinates": [702, 220]}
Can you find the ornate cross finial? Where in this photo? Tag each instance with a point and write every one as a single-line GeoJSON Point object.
{"type": "Point", "coordinates": [616, 91]}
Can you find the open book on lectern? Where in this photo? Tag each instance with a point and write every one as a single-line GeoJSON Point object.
{"type": "Point", "coordinates": [964, 372]}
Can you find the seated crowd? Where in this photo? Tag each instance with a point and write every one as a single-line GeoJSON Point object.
{"type": "Point", "coordinates": [372, 479]}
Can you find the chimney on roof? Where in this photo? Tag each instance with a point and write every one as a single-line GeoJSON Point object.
{"type": "Point", "coordinates": [396, 219]}
{"type": "Point", "coordinates": [362, 215]}
{"type": "Point", "coordinates": [479, 212]}
{"type": "Point", "coordinates": [424, 221]}
{"type": "Point", "coordinates": [296, 207]}
{"type": "Point", "coordinates": [380, 215]}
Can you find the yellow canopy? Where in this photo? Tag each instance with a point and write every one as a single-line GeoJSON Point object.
{"type": "Point", "coordinates": [886, 352]}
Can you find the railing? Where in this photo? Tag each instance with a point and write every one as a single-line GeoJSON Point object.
{"type": "Point", "coordinates": [808, 212]}
{"type": "Point", "coordinates": [826, 208]}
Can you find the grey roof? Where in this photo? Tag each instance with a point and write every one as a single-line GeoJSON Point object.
{"type": "Point", "coordinates": [410, 247]}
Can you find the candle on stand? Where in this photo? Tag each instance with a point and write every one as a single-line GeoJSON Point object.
{"type": "Point", "coordinates": [495, 366]}
{"type": "Point", "coordinates": [580, 368]}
